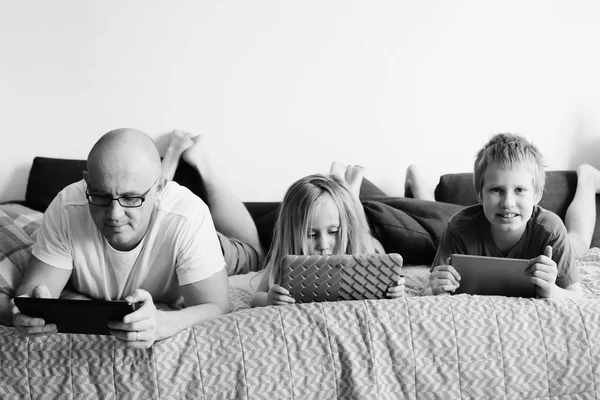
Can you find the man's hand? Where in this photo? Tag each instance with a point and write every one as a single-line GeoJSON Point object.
{"type": "Point", "coordinates": [279, 296]}
{"type": "Point", "coordinates": [140, 328]}
{"type": "Point", "coordinates": [30, 325]}
{"type": "Point", "coordinates": [444, 279]}
{"type": "Point", "coordinates": [543, 272]}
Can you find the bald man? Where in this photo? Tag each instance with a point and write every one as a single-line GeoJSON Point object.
{"type": "Point", "coordinates": [125, 232]}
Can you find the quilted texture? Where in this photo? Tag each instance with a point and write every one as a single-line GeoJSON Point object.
{"type": "Point", "coordinates": [443, 347]}
{"type": "Point", "coordinates": [18, 227]}
{"type": "Point", "coordinates": [340, 277]}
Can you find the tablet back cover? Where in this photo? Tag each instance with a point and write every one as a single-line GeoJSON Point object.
{"type": "Point", "coordinates": [340, 277]}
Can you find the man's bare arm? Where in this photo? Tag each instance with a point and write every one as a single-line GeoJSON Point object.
{"type": "Point", "coordinates": [204, 300]}
{"type": "Point", "coordinates": [40, 280]}
{"type": "Point", "coordinates": [40, 273]}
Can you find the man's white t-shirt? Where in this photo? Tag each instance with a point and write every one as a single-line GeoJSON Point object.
{"type": "Point", "coordinates": [180, 247]}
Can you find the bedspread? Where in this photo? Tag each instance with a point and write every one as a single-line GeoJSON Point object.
{"type": "Point", "coordinates": [443, 347]}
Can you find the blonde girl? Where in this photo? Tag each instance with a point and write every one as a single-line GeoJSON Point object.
{"type": "Point", "coordinates": [318, 215]}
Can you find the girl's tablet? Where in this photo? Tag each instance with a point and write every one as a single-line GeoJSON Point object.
{"type": "Point", "coordinates": [492, 276]}
{"type": "Point", "coordinates": [339, 277]}
{"type": "Point", "coordinates": [75, 316]}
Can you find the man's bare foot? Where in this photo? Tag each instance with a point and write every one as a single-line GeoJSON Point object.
{"type": "Point", "coordinates": [586, 174]}
{"type": "Point", "coordinates": [197, 155]}
{"type": "Point", "coordinates": [179, 142]}
{"type": "Point", "coordinates": [415, 185]}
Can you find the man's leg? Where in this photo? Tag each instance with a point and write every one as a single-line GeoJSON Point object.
{"type": "Point", "coordinates": [230, 215]}
{"type": "Point", "coordinates": [237, 232]}
{"type": "Point", "coordinates": [580, 218]}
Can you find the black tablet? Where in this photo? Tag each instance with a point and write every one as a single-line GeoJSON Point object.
{"type": "Point", "coordinates": [492, 276]}
{"type": "Point", "coordinates": [76, 316]}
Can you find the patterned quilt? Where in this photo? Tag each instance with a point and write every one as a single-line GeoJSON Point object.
{"type": "Point", "coordinates": [443, 347]}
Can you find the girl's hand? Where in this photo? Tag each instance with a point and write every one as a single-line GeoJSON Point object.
{"type": "Point", "coordinates": [397, 291]}
{"type": "Point", "coordinates": [279, 296]}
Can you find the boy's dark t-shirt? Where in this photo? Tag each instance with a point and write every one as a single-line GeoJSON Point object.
{"type": "Point", "coordinates": [469, 232]}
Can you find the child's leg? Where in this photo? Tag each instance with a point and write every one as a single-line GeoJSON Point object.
{"type": "Point", "coordinates": [229, 214]}
{"type": "Point", "coordinates": [580, 218]}
{"type": "Point", "coordinates": [415, 185]}
{"type": "Point", "coordinates": [353, 175]}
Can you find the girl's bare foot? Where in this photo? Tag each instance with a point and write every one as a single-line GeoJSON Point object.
{"type": "Point", "coordinates": [415, 185]}
{"type": "Point", "coordinates": [179, 142]}
{"type": "Point", "coordinates": [354, 176]}
{"type": "Point", "coordinates": [351, 174]}
{"type": "Point", "coordinates": [338, 169]}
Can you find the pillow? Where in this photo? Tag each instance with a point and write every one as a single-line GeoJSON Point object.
{"type": "Point", "coordinates": [47, 177]}
{"type": "Point", "coordinates": [18, 228]}
{"type": "Point", "coordinates": [410, 227]}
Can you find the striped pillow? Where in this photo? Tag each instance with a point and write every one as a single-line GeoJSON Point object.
{"type": "Point", "coordinates": [18, 228]}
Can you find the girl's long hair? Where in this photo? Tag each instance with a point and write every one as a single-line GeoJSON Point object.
{"type": "Point", "coordinates": [290, 234]}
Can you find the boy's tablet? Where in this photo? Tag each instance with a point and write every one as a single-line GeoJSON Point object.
{"type": "Point", "coordinates": [492, 276]}
{"type": "Point", "coordinates": [339, 277]}
{"type": "Point", "coordinates": [75, 316]}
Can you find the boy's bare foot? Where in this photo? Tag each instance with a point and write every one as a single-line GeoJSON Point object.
{"type": "Point", "coordinates": [179, 142]}
{"type": "Point", "coordinates": [415, 185]}
{"type": "Point", "coordinates": [586, 174]}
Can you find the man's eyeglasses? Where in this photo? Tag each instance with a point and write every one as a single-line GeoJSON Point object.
{"type": "Point", "coordinates": [124, 201]}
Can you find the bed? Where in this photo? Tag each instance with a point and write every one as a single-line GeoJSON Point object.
{"type": "Point", "coordinates": [444, 347]}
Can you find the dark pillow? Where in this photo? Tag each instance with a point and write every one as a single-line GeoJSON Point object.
{"type": "Point", "coordinates": [47, 177]}
{"type": "Point", "coordinates": [409, 227]}
{"type": "Point", "coordinates": [368, 189]}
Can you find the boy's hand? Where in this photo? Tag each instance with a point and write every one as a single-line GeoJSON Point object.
{"type": "Point", "coordinates": [397, 291]}
{"type": "Point", "coordinates": [543, 272]}
{"type": "Point", "coordinates": [444, 279]}
{"type": "Point", "coordinates": [279, 296]}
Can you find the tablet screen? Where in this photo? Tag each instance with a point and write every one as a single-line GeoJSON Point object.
{"type": "Point", "coordinates": [75, 316]}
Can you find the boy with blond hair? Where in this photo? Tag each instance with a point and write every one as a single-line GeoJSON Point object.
{"type": "Point", "coordinates": [509, 182]}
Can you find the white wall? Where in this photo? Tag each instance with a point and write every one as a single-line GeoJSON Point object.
{"type": "Point", "coordinates": [282, 88]}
